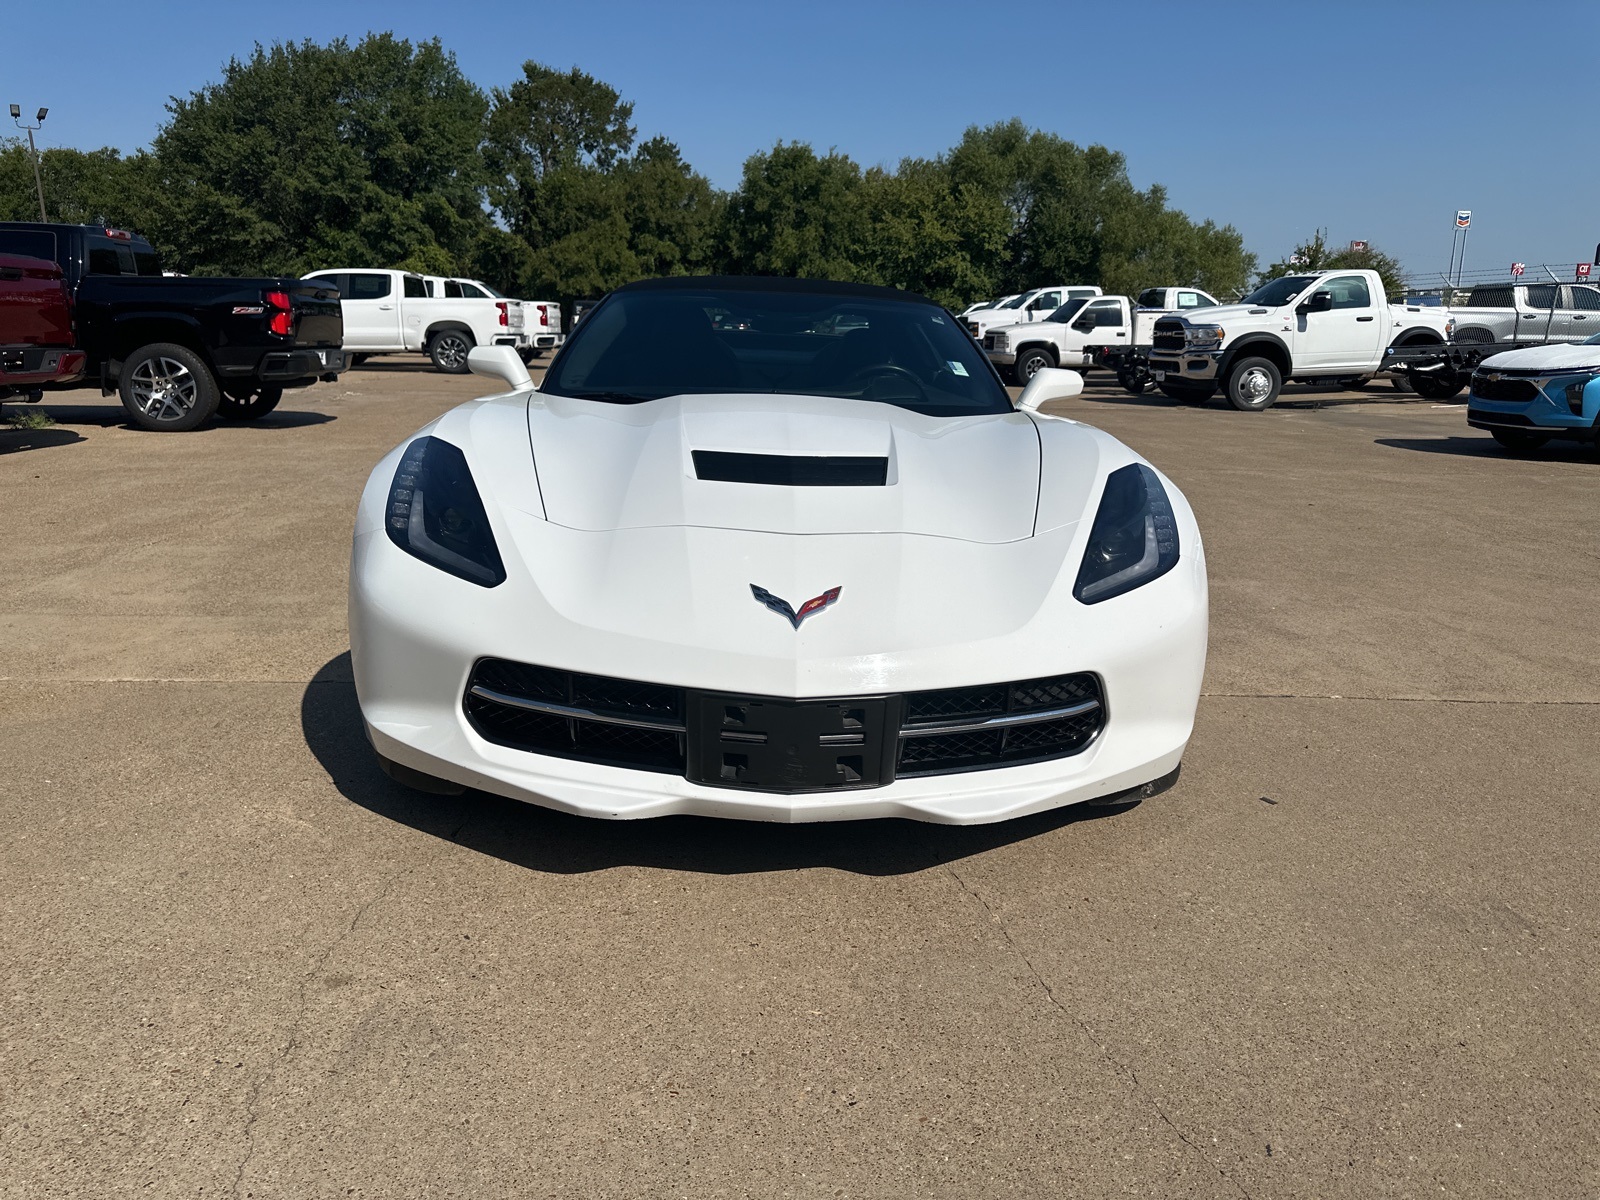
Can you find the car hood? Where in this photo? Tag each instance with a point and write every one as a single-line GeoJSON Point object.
{"type": "Point", "coordinates": [1222, 313]}
{"type": "Point", "coordinates": [1545, 358]}
{"type": "Point", "coordinates": [632, 466]}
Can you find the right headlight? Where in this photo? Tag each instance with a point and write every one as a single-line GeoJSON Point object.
{"type": "Point", "coordinates": [1134, 538]}
{"type": "Point", "coordinates": [435, 514]}
{"type": "Point", "coordinates": [1203, 337]}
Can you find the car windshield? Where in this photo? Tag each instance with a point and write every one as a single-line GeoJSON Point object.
{"type": "Point", "coordinates": [1015, 301]}
{"type": "Point", "coordinates": [1064, 313]}
{"type": "Point", "coordinates": [1592, 341]}
{"type": "Point", "coordinates": [642, 345]}
{"type": "Point", "coordinates": [1278, 292]}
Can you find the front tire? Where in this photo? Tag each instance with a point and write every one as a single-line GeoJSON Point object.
{"type": "Point", "coordinates": [449, 349]}
{"type": "Point", "coordinates": [168, 388]}
{"type": "Point", "coordinates": [1030, 363]}
{"type": "Point", "coordinates": [250, 407]}
{"type": "Point", "coordinates": [1135, 383]}
{"type": "Point", "coordinates": [1254, 384]}
{"type": "Point", "coordinates": [1518, 442]}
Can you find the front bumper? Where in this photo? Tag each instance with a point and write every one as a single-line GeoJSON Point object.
{"type": "Point", "coordinates": [1001, 358]}
{"type": "Point", "coordinates": [412, 670]}
{"type": "Point", "coordinates": [1202, 366]}
{"type": "Point", "coordinates": [1544, 413]}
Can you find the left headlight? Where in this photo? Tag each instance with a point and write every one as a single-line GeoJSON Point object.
{"type": "Point", "coordinates": [1203, 337]}
{"type": "Point", "coordinates": [1134, 538]}
{"type": "Point", "coordinates": [435, 514]}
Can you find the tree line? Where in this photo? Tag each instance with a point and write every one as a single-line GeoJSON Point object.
{"type": "Point", "coordinates": [383, 154]}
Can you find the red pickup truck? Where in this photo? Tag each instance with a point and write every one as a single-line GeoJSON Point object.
{"type": "Point", "coordinates": [36, 336]}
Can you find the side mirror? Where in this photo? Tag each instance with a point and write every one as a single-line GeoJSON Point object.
{"type": "Point", "coordinates": [500, 362]}
{"type": "Point", "coordinates": [1318, 302]}
{"type": "Point", "coordinates": [1084, 324]}
{"type": "Point", "coordinates": [1047, 384]}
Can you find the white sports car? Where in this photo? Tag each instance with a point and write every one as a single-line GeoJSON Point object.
{"type": "Point", "coordinates": [775, 549]}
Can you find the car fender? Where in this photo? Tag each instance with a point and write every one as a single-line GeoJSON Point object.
{"type": "Point", "coordinates": [463, 326]}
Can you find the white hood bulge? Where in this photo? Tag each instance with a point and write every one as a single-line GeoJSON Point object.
{"type": "Point", "coordinates": [631, 466]}
{"type": "Point", "coordinates": [1545, 358]}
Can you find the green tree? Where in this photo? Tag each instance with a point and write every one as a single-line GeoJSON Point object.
{"type": "Point", "coordinates": [927, 233]}
{"type": "Point", "coordinates": [798, 214]}
{"type": "Point", "coordinates": [309, 156]}
{"type": "Point", "coordinates": [80, 186]}
{"type": "Point", "coordinates": [1315, 254]}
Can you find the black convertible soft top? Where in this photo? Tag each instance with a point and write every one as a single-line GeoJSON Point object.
{"type": "Point", "coordinates": [773, 283]}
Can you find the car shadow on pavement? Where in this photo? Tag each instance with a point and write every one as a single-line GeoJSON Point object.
{"type": "Point", "coordinates": [114, 416]}
{"type": "Point", "coordinates": [541, 839]}
{"type": "Point", "coordinates": [1486, 447]}
{"type": "Point", "coordinates": [14, 440]}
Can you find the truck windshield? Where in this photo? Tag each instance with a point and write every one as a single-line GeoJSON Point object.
{"type": "Point", "coordinates": [642, 345]}
{"type": "Point", "coordinates": [1015, 301]}
{"type": "Point", "coordinates": [1064, 313]}
{"type": "Point", "coordinates": [1278, 292]}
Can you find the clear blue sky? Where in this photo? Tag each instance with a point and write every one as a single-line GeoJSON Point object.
{"type": "Point", "coordinates": [1374, 120]}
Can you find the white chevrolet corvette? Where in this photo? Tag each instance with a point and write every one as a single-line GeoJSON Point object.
{"type": "Point", "coordinates": [775, 549]}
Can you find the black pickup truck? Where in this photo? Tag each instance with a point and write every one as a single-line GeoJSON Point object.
{"type": "Point", "coordinates": [181, 350]}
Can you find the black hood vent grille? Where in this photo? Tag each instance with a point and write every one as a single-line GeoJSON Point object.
{"type": "Point", "coordinates": [781, 470]}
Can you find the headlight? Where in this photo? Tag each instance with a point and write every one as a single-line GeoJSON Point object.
{"type": "Point", "coordinates": [1203, 337]}
{"type": "Point", "coordinates": [435, 514]}
{"type": "Point", "coordinates": [1134, 538]}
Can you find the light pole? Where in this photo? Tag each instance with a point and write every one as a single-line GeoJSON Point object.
{"type": "Point", "coordinates": [16, 115]}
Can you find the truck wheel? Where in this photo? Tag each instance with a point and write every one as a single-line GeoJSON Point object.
{"type": "Point", "coordinates": [1133, 382]}
{"type": "Point", "coordinates": [168, 388]}
{"type": "Point", "coordinates": [1254, 384]}
{"type": "Point", "coordinates": [1518, 442]}
{"type": "Point", "coordinates": [1030, 363]}
{"type": "Point", "coordinates": [1187, 393]}
{"type": "Point", "coordinates": [250, 407]}
{"type": "Point", "coordinates": [1400, 383]}
{"type": "Point", "coordinates": [1440, 386]}
{"type": "Point", "coordinates": [449, 349]}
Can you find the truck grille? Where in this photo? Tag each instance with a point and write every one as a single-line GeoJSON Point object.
{"type": "Point", "coordinates": [1168, 334]}
{"type": "Point", "coordinates": [1503, 390]}
{"type": "Point", "coordinates": [775, 744]}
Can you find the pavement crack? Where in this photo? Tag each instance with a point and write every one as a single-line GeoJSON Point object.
{"type": "Point", "coordinates": [1117, 1065]}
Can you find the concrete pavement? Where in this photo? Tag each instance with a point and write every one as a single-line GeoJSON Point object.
{"type": "Point", "coordinates": [1352, 953]}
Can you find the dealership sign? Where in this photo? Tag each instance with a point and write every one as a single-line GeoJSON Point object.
{"type": "Point", "coordinates": [1358, 245]}
{"type": "Point", "coordinates": [1517, 269]}
{"type": "Point", "coordinates": [1583, 270]}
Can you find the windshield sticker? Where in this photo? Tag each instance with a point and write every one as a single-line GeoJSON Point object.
{"type": "Point", "coordinates": [956, 368]}
{"type": "Point", "coordinates": [937, 319]}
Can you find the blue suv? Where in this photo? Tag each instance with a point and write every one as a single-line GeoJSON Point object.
{"type": "Point", "coordinates": [1526, 397]}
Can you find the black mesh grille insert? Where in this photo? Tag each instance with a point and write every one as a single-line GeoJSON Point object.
{"type": "Point", "coordinates": [780, 745]}
{"type": "Point", "coordinates": [506, 724]}
{"type": "Point", "coordinates": [784, 470]}
{"type": "Point", "coordinates": [974, 749]}
{"type": "Point", "coordinates": [1505, 391]}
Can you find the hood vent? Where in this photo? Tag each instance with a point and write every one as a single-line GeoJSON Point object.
{"type": "Point", "coordinates": [781, 470]}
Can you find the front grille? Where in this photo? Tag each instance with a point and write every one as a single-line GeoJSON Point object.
{"type": "Point", "coordinates": [965, 729]}
{"type": "Point", "coordinates": [1168, 334]}
{"type": "Point", "coordinates": [569, 715]}
{"type": "Point", "coordinates": [774, 744]}
{"type": "Point", "coordinates": [1503, 390]}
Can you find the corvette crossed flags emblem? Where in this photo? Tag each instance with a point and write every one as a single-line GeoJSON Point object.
{"type": "Point", "coordinates": [782, 607]}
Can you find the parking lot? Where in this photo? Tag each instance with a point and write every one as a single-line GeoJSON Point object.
{"type": "Point", "coordinates": [1352, 953]}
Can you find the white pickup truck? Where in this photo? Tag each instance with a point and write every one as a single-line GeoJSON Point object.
{"type": "Point", "coordinates": [1070, 336]}
{"type": "Point", "coordinates": [391, 312]}
{"type": "Point", "coordinates": [1322, 325]}
{"type": "Point", "coordinates": [541, 319]}
{"type": "Point", "coordinates": [1030, 306]}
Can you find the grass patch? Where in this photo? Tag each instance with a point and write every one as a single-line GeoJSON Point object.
{"type": "Point", "coordinates": [29, 418]}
